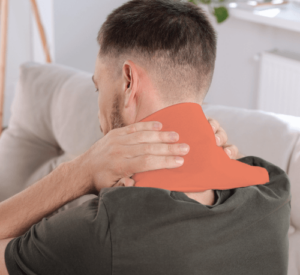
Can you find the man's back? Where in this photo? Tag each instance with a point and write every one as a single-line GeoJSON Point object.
{"type": "Point", "coordinates": [155, 231]}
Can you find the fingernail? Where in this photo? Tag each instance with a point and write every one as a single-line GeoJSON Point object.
{"type": "Point", "coordinates": [184, 147]}
{"type": "Point", "coordinates": [157, 125]}
{"type": "Point", "coordinates": [228, 152]}
{"type": "Point", "coordinates": [218, 140]}
{"type": "Point", "coordinates": [179, 160]}
{"type": "Point", "coordinates": [174, 136]}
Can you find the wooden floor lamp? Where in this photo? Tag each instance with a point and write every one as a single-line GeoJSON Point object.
{"type": "Point", "coordinates": [3, 44]}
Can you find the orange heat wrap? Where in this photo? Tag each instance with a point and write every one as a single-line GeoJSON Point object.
{"type": "Point", "coordinates": [206, 166]}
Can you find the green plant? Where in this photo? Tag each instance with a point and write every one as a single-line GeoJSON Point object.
{"type": "Point", "coordinates": [218, 10]}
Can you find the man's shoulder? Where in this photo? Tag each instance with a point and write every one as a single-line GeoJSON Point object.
{"type": "Point", "coordinates": [275, 192]}
{"type": "Point", "coordinates": [122, 194]}
{"type": "Point", "coordinates": [257, 161]}
{"type": "Point", "coordinates": [277, 176]}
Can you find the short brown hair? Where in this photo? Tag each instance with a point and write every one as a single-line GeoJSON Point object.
{"type": "Point", "coordinates": [177, 33]}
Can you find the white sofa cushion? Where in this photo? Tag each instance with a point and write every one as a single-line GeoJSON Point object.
{"type": "Point", "coordinates": [54, 119]}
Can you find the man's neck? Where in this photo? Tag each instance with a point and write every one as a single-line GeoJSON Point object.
{"type": "Point", "coordinates": [206, 197]}
{"type": "Point", "coordinates": [154, 104]}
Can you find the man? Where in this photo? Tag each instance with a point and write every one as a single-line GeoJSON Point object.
{"type": "Point", "coordinates": [155, 57]}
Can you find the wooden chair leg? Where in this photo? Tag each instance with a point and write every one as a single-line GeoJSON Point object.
{"type": "Point", "coordinates": [41, 30]}
{"type": "Point", "coordinates": [3, 44]}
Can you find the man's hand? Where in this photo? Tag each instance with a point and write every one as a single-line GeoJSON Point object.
{"type": "Point", "coordinates": [221, 139]}
{"type": "Point", "coordinates": [132, 149]}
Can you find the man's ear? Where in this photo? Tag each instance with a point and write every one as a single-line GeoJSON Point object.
{"type": "Point", "coordinates": [130, 78]}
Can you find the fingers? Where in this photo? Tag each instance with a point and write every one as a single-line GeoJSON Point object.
{"type": "Point", "coordinates": [126, 182]}
{"type": "Point", "coordinates": [143, 132]}
{"type": "Point", "coordinates": [216, 130]}
{"type": "Point", "coordinates": [232, 151]}
{"type": "Point", "coordinates": [149, 162]}
{"type": "Point", "coordinates": [221, 137]}
{"type": "Point", "coordinates": [239, 155]}
{"type": "Point", "coordinates": [149, 137]}
{"type": "Point", "coordinates": [139, 126]}
{"type": "Point", "coordinates": [157, 149]}
{"type": "Point", "coordinates": [145, 148]}
{"type": "Point", "coordinates": [220, 134]}
{"type": "Point", "coordinates": [214, 124]}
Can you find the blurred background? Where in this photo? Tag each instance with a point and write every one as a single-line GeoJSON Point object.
{"type": "Point", "coordinates": [258, 48]}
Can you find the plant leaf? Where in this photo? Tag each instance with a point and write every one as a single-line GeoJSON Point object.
{"type": "Point", "coordinates": [205, 1]}
{"type": "Point", "coordinates": [221, 13]}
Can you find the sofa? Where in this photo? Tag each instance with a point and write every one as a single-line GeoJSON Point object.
{"type": "Point", "coordinates": [54, 119]}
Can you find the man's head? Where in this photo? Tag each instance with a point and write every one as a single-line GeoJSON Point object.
{"type": "Point", "coordinates": [153, 54]}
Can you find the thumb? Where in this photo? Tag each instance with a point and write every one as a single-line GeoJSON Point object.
{"type": "Point", "coordinates": [125, 182]}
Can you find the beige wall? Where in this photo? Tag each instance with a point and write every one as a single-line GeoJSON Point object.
{"type": "Point", "coordinates": [235, 81]}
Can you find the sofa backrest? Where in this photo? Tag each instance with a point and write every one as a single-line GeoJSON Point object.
{"type": "Point", "coordinates": [53, 119]}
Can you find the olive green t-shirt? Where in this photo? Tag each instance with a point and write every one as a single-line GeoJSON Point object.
{"type": "Point", "coordinates": [143, 231]}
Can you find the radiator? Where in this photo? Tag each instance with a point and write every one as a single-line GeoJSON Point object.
{"type": "Point", "coordinates": [279, 83]}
